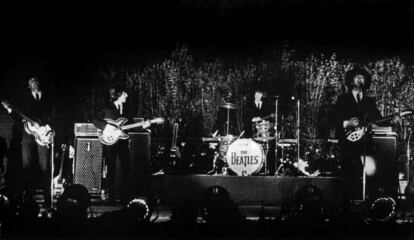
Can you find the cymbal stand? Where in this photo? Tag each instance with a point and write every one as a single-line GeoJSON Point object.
{"type": "Point", "coordinates": [298, 132]}
{"type": "Point", "coordinates": [276, 135]}
{"type": "Point", "coordinates": [228, 122]}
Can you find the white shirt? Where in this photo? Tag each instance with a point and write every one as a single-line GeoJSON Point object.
{"type": "Point", "coordinates": [354, 93]}
{"type": "Point", "coordinates": [120, 107]}
{"type": "Point", "coordinates": [39, 93]}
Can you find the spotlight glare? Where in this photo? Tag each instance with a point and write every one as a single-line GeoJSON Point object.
{"type": "Point", "coordinates": [383, 209]}
{"type": "Point", "coordinates": [139, 207]}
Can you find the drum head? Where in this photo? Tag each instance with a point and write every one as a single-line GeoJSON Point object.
{"type": "Point", "coordinates": [245, 157]}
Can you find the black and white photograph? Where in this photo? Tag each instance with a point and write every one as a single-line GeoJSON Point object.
{"type": "Point", "coordinates": [207, 119]}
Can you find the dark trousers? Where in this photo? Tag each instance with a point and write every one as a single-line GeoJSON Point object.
{"type": "Point", "coordinates": [351, 171]}
{"type": "Point", "coordinates": [32, 153]}
{"type": "Point", "coordinates": [120, 150]}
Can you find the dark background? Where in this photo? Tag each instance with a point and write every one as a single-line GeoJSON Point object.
{"type": "Point", "coordinates": [67, 42]}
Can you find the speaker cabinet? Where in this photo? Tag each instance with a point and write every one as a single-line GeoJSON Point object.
{"type": "Point", "coordinates": [88, 164]}
{"type": "Point", "coordinates": [385, 180]}
{"type": "Point", "coordinates": [140, 155]}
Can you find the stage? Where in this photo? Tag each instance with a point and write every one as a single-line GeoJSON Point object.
{"type": "Point", "coordinates": [244, 190]}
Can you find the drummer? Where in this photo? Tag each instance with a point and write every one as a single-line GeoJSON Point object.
{"type": "Point", "coordinates": [257, 111]}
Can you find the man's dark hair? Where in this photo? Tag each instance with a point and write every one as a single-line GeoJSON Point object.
{"type": "Point", "coordinates": [349, 77]}
{"type": "Point", "coordinates": [115, 92]}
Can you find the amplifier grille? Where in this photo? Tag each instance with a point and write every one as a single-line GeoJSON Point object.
{"type": "Point", "coordinates": [88, 164]}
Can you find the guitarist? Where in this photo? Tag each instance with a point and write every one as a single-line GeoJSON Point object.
{"type": "Point", "coordinates": [36, 105]}
{"type": "Point", "coordinates": [115, 108]}
{"type": "Point", "coordinates": [354, 109]}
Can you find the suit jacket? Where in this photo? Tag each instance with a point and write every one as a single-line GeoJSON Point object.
{"type": "Point", "coordinates": [109, 110]}
{"type": "Point", "coordinates": [346, 108]}
{"type": "Point", "coordinates": [39, 111]}
{"type": "Point", "coordinates": [251, 111]}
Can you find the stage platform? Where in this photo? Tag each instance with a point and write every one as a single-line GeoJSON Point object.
{"type": "Point", "coordinates": [244, 190]}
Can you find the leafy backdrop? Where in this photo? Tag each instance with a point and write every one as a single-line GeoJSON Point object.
{"type": "Point", "coordinates": [180, 85]}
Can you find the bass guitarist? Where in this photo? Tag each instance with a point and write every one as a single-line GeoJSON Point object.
{"type": "Point", "coordinates": [354, 109]}
{"type": "Point", "coordinates": [115, 108]}
{"type": "Point", "coordinates": [35, 105]}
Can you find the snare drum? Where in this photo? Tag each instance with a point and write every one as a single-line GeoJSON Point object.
{"type": "Point", "coordinates": [245, 157]}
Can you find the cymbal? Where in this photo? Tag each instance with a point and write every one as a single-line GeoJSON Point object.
{"type": "Point", "coordinates": [229, 106]}
{"type": "Point", "coordinates": [312, 140]}
{"type": "Point", "coordinates": [287, 140]}
{"type": "Point", "coordinates": [264, 139]}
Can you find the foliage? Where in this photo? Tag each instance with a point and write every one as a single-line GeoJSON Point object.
{"type": "Point", "coordinates": [179, 86]}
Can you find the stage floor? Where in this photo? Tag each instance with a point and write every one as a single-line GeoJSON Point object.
{"type": "Point", "coordinates": [260, 201]}
{"type": "Point", "coordinates": [244, 190]}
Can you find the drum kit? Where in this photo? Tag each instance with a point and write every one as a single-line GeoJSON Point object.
{"type": "Point", "coordinates": [249, 156]}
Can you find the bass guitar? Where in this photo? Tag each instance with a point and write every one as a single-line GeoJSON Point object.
{"type": "Point", "coordinates": [43, 134]}
{"type": "Point", "coordinates": [114, 129]}
{"type": "Point", "coordinates": [59, 181]}
{"type": "Point", "coordinates": [355, 134]}
{"type": "Point", "coordinates": [174, 150]}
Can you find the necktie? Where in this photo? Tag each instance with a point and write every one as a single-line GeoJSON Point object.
{"type": "Point", "coordinates": [37, 96]}
{"type": "Point", "coordinates": [358, 98]}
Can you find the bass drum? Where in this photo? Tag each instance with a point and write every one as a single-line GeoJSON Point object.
{"type": "Point", "coordinates": [245, 157]}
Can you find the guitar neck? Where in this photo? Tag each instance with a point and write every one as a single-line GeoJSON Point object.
{"type": "Point", "coordinates": [17, 111]}
{"type": "Point", "coordinates": [135, 125]}
{"type": "Point", "coordinates": [385, 119]}
{"type": "Point", "coordinates": [175, 135]}
{"type": "Point", "coordinates": [62, 158]}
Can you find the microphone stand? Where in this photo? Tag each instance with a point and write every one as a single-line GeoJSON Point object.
{"type": "Point", "coordinates": [276, 135]}
{"type": "Point", "coordinates": [52, 169]}
{"type": "Point", "coordinates": [364, 158]}
{"type": "Point", "coordinates": [298, 132]}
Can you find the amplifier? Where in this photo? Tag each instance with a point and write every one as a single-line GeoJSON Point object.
{"type": "Point", "coordinates": [86, 130]}
{"type": "Point", "coordinates": [87, 167]}
{"type": "Point", "coordinates": [386, 177]}
{"type": "Point", "coordinates": [140, 156]}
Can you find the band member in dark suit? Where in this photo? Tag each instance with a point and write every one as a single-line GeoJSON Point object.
{"type": "Point", "coordinates": [115, 108]}
{"type": "Point", "coordinates": [36, 106]}
{"type": "Point", "coordinates": [254, 112]}
{"type": "Point", "coordinates": [354, 109]}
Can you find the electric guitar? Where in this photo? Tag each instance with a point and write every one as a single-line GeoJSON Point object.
{"type": "Point", "coordinates": [355, 134]}
{"type": "Point", "coordinates": [43, 134]}
{"type": "Point", "coordinates": [114, 129]}
{"type": "Point", "coordinates": [59, 181]}
{"type": "Point", "coordinates": [174, 151]}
